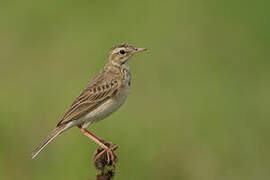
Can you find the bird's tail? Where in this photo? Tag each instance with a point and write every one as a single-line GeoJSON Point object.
{"type": "Point", "coordinates": [46, 141]}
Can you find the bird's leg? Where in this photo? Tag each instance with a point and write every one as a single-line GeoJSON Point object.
{"type": "Point", "coordinates": [94, 138]}
{"type": "Point", "coordinates": [105, 146]}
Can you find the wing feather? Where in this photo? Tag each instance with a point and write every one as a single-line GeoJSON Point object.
{"type": "Point", "coordinates": [92, 96]}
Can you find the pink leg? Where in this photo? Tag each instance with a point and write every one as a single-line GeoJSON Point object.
{"type": "Point", "coordinates": [100, 142]}
{"type": "Point", "coordinates": [94, 138]}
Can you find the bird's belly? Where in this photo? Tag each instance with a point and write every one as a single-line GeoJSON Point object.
{"type": "Point", "coordinates": [105, 109]}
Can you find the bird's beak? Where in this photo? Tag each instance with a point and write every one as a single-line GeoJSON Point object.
{"type": "Point", "coordinates": [138, 50]}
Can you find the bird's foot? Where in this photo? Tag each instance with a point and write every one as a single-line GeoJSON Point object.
{"type": "Point", "coordinates": [105, 156]}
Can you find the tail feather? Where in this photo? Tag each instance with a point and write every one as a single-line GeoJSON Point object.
{"type": "Point", "coordinates": [46, 141]}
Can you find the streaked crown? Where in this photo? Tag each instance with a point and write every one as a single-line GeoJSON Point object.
{"type": "Point", "coordinates": [121, 53]}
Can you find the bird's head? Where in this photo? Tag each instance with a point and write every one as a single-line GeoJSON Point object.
{"type": "Point", "coordinates": [121, 53]}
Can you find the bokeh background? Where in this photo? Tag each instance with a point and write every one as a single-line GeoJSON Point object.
{"type": "Point", "coordinates": [199, 104]}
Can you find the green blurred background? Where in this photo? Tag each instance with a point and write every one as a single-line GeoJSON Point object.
{"type": "Point", "coordinates": [199, 104]}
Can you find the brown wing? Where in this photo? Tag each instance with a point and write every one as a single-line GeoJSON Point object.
{"type": "Point", "coordinates": [98, 91]}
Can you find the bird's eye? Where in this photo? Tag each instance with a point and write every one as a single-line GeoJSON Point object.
{"type": "Point", "coordinates": [122, 51]}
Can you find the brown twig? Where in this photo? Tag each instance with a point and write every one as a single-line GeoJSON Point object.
{"type": "Point", "coordinates": [105, 162]}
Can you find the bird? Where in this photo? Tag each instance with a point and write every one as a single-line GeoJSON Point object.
{"type": "Point", "coordinates": [103, 95]}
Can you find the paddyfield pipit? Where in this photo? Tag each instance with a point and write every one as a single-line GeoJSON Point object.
{"type": "Point", "coordinates": [103, 95]}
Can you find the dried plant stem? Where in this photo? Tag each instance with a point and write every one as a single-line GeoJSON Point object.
{"type": "Point", "coordinates": [105, 162]}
